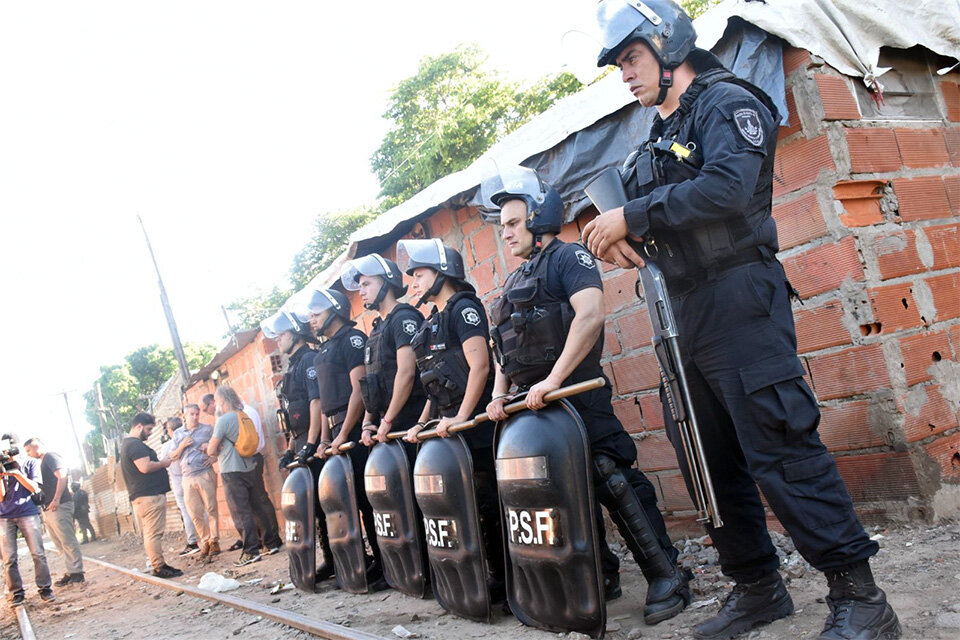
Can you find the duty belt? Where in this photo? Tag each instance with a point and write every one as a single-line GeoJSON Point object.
{"type": "Point", "coordinates": [336, 419]}
{"type": "Point", "coordinates": [686, 284]}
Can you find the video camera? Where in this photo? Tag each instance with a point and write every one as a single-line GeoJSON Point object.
{"type": "Point", "coordinates": [8, 456]}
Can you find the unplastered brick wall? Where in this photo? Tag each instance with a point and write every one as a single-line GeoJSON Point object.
{"type": "Point", "coordinates": [867, 212]}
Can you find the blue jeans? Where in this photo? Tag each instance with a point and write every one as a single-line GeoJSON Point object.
{"type": "Point", "coordinates": [32, 532]}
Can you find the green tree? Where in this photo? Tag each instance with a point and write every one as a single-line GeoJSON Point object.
{"type": "Point", "coordinates": [251, 310]}
{"type": "Point", "coordinates": [329, 239]}
{"type": "Point", "coordinates": [450, 112]}
{"type": "Point", "coordinates": [128, 387]}
{"type": "Point", "coordinates": [696, 7]}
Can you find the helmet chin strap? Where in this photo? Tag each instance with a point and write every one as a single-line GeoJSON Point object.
{"type": "Point", "coordinates": [381, 294]}
{"type": "Point", "coordinates": [433, 290]}
{"type": "Point", "coordinates": [666, 81]}
{"type": "Point", "coordinates": [537, 244]}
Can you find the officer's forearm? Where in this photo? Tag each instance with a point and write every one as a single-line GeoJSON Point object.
{"type": "Point", "coordinates": [501, 384]}
{"type": "Point", "coordinates": [316, 412]}
{"type": "Point", "coordinates": [425, 414]}
{"type": "Point", "coordinates": [476, 352]}
{"type": "Point", "coordinates": [584, 331]}
{"type": "Point", "coordinates": [402, 386]}
{"type": "Point", "coordinates": [324, 430]}
{"type": "Point", "coordinates": [355, 403]}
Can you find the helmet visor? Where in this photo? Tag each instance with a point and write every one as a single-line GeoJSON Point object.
{"type": "Point", "coordinates": [511, 181]}
{"type": "Point", "coordinates": [276, 324]}
{"type": "Point", "coordinates": [421, 253]}
{"type": "Point", "coordinates": [371, 265]}
{"type": "Point", "coordinates": [617, 19]}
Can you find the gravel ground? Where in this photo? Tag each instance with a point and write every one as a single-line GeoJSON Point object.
{"type": "Point", "coordinates": [918, 566]}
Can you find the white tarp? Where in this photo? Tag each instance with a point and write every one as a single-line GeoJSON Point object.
{"type": "Point", "coordinates": [847, 34]}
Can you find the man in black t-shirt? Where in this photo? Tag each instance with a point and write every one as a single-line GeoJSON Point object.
{"type": "Point", "coordinates": [147, 486]}
{"type": "Point", "coordinates": [58, 510]}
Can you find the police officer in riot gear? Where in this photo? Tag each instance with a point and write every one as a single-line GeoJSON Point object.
{"type": "Point", "coordinates": [392, 393]}
{"type": "Point", "coordinates": [455, 362]}
{"type": "Point", "coordinates": [339, 367]}
{"type": "Point", "coordinates": [548, 333]}
{"type": "Point", "coordinates": [300, 397]}
{"type": "Point", "coordinates": [700, 194]}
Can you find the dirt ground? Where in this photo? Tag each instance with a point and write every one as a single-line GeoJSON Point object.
{"type": "Point", "coordinates": [918, 566]}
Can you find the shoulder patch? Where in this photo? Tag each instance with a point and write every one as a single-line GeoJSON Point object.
{"type": "Point", "coordinates": [470, 316]}
{"type": "Point", "coordinates": [409, 327]}
{"type": "Point", "coordinates": [749, 126]}
{"type": "Point", "coordinates": [585, 259]}
{"type": "Point", "coordinates": [356, 342]}
{"type": "Point", "coordinates": [312, 373]}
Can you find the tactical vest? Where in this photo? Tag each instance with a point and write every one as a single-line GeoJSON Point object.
{"type": "Point", "coordinates": [332, 376]}
{"type": "Point", "coordinates": [682, 253]}
{"type": "Point", "coordinates": [530, 326]}
{"type": "Point", "coordinates": [381, 360]}
{"type": "Point", "coordinates": [294, 390]}
{"type": "Point", "coordinates": [443, 367]}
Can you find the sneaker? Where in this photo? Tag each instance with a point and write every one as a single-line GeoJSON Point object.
{"type": "Point", "coordinates": [269, 551]}
{"type": "Point", "coordinates": [247, 558]}
{"type": "Point", "coordinates": [17, 599]}
{"type": "Point", "coordinates": [190, 549]}
{"type": "Point", "coordinates": [236, 546]}
{"type": "Point", "coordinates": [166, 571]}
{"type": "Point", "coordinates": [77, 578]}
{"type": "Point", "coordinates": [214, 549]}
{"type": "Point", "coordinates": [47, 595]}
{"type": "Point", "coordinates": [64, 581]}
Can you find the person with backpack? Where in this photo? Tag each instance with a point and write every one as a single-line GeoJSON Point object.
{"type": "Point", "coordinates": [235, 442]}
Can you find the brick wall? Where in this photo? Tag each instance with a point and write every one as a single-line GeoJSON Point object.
{"type": "Point", "coordinates": [868, 220]}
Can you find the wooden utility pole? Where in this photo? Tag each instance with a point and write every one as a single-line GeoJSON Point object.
{"type": "Point", "coordinates": [168, 312]}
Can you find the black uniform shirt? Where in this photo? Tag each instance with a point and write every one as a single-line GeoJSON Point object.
{"type": "Point", "coordinates": [572, 269]}
{"type": "Point", "coordinates": [467, 319]}
{"type": "Point", "coordinates": [336, 358]}
{"type": "Point", "coordinates": [401, 326]}
{"type": "Point", "coordinates": [299, 389]}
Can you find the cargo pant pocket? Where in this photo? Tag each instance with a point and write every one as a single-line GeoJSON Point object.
{"type": "Point", "coordinates": [818, 492]}
{"type": "Point", "coordinates": [779, 409]}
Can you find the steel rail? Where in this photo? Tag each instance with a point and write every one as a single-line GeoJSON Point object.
{"type": "Point", "coordinates": [26, 629]}
{"type": "Point", "coordinates": [319, 628]}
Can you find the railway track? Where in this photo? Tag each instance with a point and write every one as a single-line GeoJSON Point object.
{"type": "Point", "coordinates": [318, 628]}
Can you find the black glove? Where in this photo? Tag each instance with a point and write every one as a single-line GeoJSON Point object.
{"type": "Point", "coordinates": [306, 452]}
{"type": "Point", "coordinates": [286, 459]}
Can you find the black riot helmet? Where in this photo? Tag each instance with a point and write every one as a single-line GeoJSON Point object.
{"type": "Point", "coordinates": [544, 205]}
{"type": "Point", "coordinates": [286, 320]}
{"type": "Point", "coordinates": [446, 261]}
{"type": "Point", "coordinates": [373, 265]}
{"type": "Point", "coordinates": [315, 301]}
{"type": "Point", "coordinates": [660, 24]}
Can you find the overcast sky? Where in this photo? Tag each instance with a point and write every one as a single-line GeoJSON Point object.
{"type": "Point", "coordinates": [228, 126]}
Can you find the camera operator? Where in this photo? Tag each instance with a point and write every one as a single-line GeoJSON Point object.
{"type": "Point", "coordinates": [58, 509]}
{"type": "Point", "coordinates": [19, 497]}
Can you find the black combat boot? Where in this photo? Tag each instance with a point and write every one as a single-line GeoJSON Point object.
{"type": "Point", "coordinates": [748, 605]}
{"type": "Point", "coordinates": [325, 569]}
{"type": "Point", "coordinates": [858, 607]}
{"type": "Point", "coordinates": [611, 587]}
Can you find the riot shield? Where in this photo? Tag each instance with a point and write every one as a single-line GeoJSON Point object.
{"type": "Point", "coordinates": [546, 496]}
{"type": "Point", "coordinates": [338, 499]}
{"type": "Point", "coordinates": [296, 505]}
{"type": "Point", "coordinates": [389, 486]}
{"type": "Point", "coordinates": [443, 480]}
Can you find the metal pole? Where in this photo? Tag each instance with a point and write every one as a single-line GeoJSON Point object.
{"type": "Point", "coordinates": [168, 312]}
{"type": "Point", "coordinates": [73, 427]}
